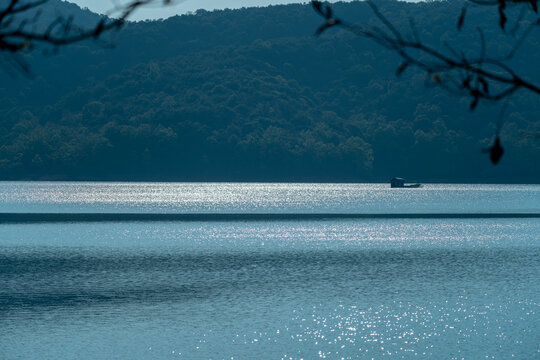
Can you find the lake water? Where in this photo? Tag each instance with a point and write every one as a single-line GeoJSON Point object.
{"type": "Point", "coordinates": [264, 198]}
{"type": "Point", "coordinates": [397, 288]}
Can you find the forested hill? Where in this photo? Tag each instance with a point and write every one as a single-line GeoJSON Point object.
{"type": "Point", "coordinates": [252, 95]}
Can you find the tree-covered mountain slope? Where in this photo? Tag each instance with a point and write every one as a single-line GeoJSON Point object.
{"type": "Point", "coordinates": [252, 95]}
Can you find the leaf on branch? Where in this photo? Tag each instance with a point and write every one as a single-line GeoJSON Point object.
{"type": "Point", "coordinates": [99, 28]}
{"type": "Point", "coordinates": [401, 68]}
{"type": "Point", "coordinates": [328, 14]}
{"type": "Point", "coordinates": [502, 16]}
{"type": "Point", "coordinates": [466, 83]}
{"type": "Point", "coordinates": [318, 6]}
{"type": "Point", "coordinates": [323, 10]}
{"type": "Point", "coordinates": [484, 85]}
{"type": "Point", "coordinates": [495, 152]}
{"type": "Point", "coordinates": [462, 17]}
{"type": "Point", "coordinates": [474, 103]}
{"type": "Point", "coordinates": [534, 5]}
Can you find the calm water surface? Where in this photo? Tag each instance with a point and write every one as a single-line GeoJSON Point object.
{"type": "Point", "coordinates": [353, 289]}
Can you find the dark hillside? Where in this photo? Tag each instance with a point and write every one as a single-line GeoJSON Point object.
{"type": "Point", "coordinates": [251, 95]}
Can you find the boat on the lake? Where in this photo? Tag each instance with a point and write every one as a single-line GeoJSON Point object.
{"type": "Point", "coordinates": [400, 183]}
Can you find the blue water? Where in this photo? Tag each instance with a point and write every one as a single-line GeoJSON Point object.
{"type": "Point", "coordinates": [341, 288]}
{"type": "Point", "coordinates": [29, 197]}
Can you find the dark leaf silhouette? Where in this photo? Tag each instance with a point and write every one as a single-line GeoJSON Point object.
{"type": "Point", "coordinates": [502, 16]}
{"type": "Point", "coordinates": [495, 152]}
{"type": "Point", "coordinates": [461, 19]}
{"type": "Point", "coordinates": [326, 12]}
{"type": "Point", "coordinates": [402, 67]}
{"type": "Point", "coordinates": [318, 6]}
{"type": "Point", "coordinates": [534, 5]}
{"type": "Point", "coordinates": [323, 9]}
{"type": "Point", "coordinates": [485, 85]}
{"type": "Point", "coordinates": [474, 103]}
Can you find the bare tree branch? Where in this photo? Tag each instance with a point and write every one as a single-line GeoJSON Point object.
{"type": "Point", "coordinates": [20, 31]}
{"type": "Point", "coordinates": [502, 7]}
{"type": "Point", "coordinates": [482, 77]}
{"type": "Point", "coordinates": [476, 74]}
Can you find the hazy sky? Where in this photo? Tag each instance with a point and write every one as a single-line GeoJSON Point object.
{"type": "Point", "coordinates": [181, 7]}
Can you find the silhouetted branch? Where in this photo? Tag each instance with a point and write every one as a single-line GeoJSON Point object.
{"type": "Point", "coordinates": [455, 72]}
{"type": "Point", "coordinates": [479, 77]}
{"type": "Point", "coordinates": [20, 27]}
{"type": "Point", "coordinates": [502, 7]}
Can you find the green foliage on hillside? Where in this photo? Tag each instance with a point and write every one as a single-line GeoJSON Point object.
{"type": "Point", "coordinates": [251, 95]}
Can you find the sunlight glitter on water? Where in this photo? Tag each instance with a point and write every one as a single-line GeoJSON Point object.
{"type": "Point", "coordinates": [405, 330]}
{"type": "Point", "coordinates": [314, 289]}
{"type": "Point", "coordinates": [277, 236]}
{"type": "Point", "coordinates": [263, 198]}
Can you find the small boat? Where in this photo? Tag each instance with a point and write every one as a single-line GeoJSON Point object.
{"type": "Point", "coordinates": [400, 183]}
